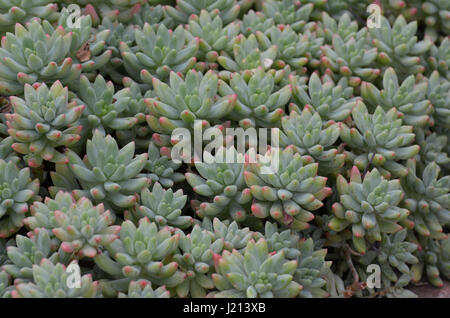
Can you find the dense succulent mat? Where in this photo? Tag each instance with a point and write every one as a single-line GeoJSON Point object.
{"type": "Point", "coordinates": [89, 105]}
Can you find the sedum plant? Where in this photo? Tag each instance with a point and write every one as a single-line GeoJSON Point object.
{"type": "Point", "coordinates": [433, 256]}
{"type": "Point", "coordinates": [288, 194]}
{"type": "Point", "coordinates": [213, 34]}
{"type": "Point", "coordinates": [439, 95]}
{"type": "Point", "coordinates": [288, 12]}
{"type": "Point", "coordinates": [43, 122]}
{"type": "Point", "coordinates": [255, 273]}
{"type": "Point", "coordinates": [231, 234]}
{"type": "Point", "coordinates": [50, 281]}
{"type": "Point", "coordinates": [108, 174]}
{"type": "Point", "coordinates": [27, 252]}
{"type": "Point", "coordinates": [159, 51]}
{"type": "Point", "coordinates": [164, 207]}
{"type": "Point", "coordinates": [29, 56]}
{"type": "Point", "coordinates": [195, 258]}
{"type": "Point", "coordinates": [311, 136]}
{"type": "Point", "coordinates": [185, 101]}
{"type": "Point", "coordinates": [292, 47]}
{"type": "Point", "coordinates": [97, 113]}
{"type": "Point", "coordinates": [143, 289]}
{"type": "Point", "coordinates": [407, 97]}
{"type": "Point", "coordinates": [395, 254]}
{"type": "Point", "coordinates": [398, 46]}
{"type": "Point", "coordinates": [17, 191]}
{"type": "Point", "coordinates": [333, 101]}
{"type": "Point", "coordinates": [311, 270]}
{"type": "Point", "coordinates": [144, 252]}
{"type": "Point", "coordinates": [381, 140]}
{"type": "Point", "coordinates": [259, 101]}
{"type": "Point", "coordinates": [246, 55]}
{"type": "Point", "coordinates": [229, 9]}
{"type": "Point", "coordinates": [368, 207]}
{"type": "Point", "coordinates": [19, 11]}
{"type": "Point", "coordinates": [81, 227]}
{"type": "Point", "coordinates": [222, 182]}
{"type": "Point", "coordinates": [255, 21]}
{"type": "Point", "coordinates": [351, 58]}
{"type": "Point", "coordinates": [160, 168]}
{"type": "Point", "coordinates": [427, 198]}
{"type": "Point", "coordinates": [105, 109]}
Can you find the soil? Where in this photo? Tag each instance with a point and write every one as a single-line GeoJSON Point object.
{"type": "Point", "coordinates": [429, 291]}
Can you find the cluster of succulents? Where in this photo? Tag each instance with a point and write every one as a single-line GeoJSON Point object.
{"type": "Point", "coordinates": [91, 177]}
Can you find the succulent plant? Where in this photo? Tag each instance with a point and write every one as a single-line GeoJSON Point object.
{"type": "Point", "coordinates": [311, 270]}
{"type": "Point", "coordinates": [427, 197]}
{"type": "Point", "coordinates": [105, 102]}
{"type": "Point", "coordinates": [107, 174]}
{"type": "Point", "coordinates": [407, 97]}
{"type": "Point", "coordinates": [140, 133]}
{"type": "Point", "coordinates": [6, 152]}
{"type": "Point", "coordinates": [290, 193]}
{"type": "Point", "coordinates": [246, 55]}
{"type": "Point", "coordinates": [122, 10]}
{"type": "Point", "coordinates": [164, 207]}
{"type": "Point", "coordinates": [345, 27]}
{"type": "Point", "coordinates": [50, 281]}
{"type": "Point", "coordinates": [432, 148]}
{"type": "Point", "coordinates": [255, 273]}
{"type": "Point", "coordinates": [5, 288]}
{"type": "Point", "coordinates": [17, 192]}
{"type": "Point", "coordinates": [19, 11]}
{"type": "Point", "coordinates": [381, 140]}
{"type": "Point", "coordinates": [288, 12]}
{"type": "Point", "coordinates": [222, 181]}
{"type": "Point", "coordinates": [439, 96]}
{"type": "Point", "coordinates": [432, 254]}
{"type": "Point", "coordinates": [29, 56]}
{"type": "Point", "coordinates": [255, 21]}
{"type": "Point", "coordinates": [159, 168]}
{"type": "Point", "coordinates": [351, 58]}
{"type": "Point", "coordinates": [284, 240]}
{"type": "Point", "coordinates": [86, 49]}
{"type": "Point", "coordinates": [311, 136]}
{"type": "Point", "coordinates": [104, 108]}
{"type": "Point", "coordinates": [439, 58]}
{"type": "Point", "coordinates": [436, 18]}
{"type": "Point", "coordinates": [183, 102]}
{"type": "Point", "coordinates": [259, 102]}
{"type": "Point", "coordinates": [43, 122]}
{"type": "Point", "coordinates": [153, 15]}
{"type": "Point", "coordinates": [81, 227]}
{"type": "Point", "coordinates": [393, 254]}
{"type": "Point", "coordinates": [291, 49]}
{"type": "Point", "coordinates": [229, 9]}
{"type": "Point", "coordinates": [333, 101]}
{"type": "Point", "coordinates": [231, 234]}
{"type": "Point", "coordinates": [143, 252]}
{"type": "Point", "coordinates": [369, 206]}
{"type": "Point", "coordinates": [158, 53]}
{"type": "Point", "coordinates": [213, 35]}
{"type": "Point", "coordinates": [27, 252]}
{"type": "Point", "coordinates": [398, 45]}
{"type": "Point", "coordinates": [142, 288]}
{"type": "Point", "coordinates": [195, 258]}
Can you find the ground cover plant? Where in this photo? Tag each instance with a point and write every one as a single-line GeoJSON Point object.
{"type": "Point", "coordinates": [92, 94]}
